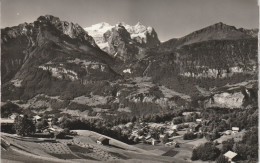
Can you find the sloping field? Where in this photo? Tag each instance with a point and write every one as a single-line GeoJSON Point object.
{"type": "Point", "coordinates": [123, 151]}
{"type": "Point", "coordinates": [82, 148]}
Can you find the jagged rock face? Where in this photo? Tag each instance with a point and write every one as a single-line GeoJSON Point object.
{"type": "Point", "coordinates": [121, 44]}
{"type": "Point", "coordinates": [146, 36]}
{"type": "Point", "coordinates": [58, 58]}
{"type": "Point", "coordinates": [50, 51]}
{"type": "Point", "coordinates": [211, 59]}
{"type": "Point", "coordinates": [233, 96]}
{"type": "Point", "coordinates": [217, 51]}
{"type": "Point", "coordinates": [133, 39]}
{"type": "Point", "coordinates": [205, 63]}
{"type": "Point", "coordinates": [68, 28]}
{"type": "Point", "coordinates": [17, 42]}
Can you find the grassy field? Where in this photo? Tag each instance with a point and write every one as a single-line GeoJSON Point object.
{"type": "Point", "coordinates": [84, 148]}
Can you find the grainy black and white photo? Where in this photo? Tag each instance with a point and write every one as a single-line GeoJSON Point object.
{"type": "Point", "coordinates": [129, 81]}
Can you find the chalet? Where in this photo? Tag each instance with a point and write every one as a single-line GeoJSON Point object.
{"type": "Point", "coordinates": [230, 155]}
{"type": "Point", "coordinates": [103, 141]}
{"type": "Point", "coordinates": [152, 141]}
{"type": "Point", "coordinates": [174, 127]}
{"type": "Point", "coordinates": [147, 137]}
{"type": "Point", "coordinates": [37, 118]}
{"type": "Point", "coordinates": [190, 113]}
{"type": "Point", "coordinates": [161, 136]}
{"type": "Point", "coordinates": [198, 120]}
{"type": "Point", "coordinates": [235, 130]}
{"type": "Point", "coordinates": [194, 128]}
{"type": "Point", "coordinates": [187, 113]}
{"type": "Point", "coordinates": [173, 143]}
{"type": "Point", "coordinates": [7, 125]}
{"type": "Point", "coordinates": [13, 116]}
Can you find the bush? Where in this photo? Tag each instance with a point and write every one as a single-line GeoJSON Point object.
{"type": "Point", "coordinates": [42, 124]}
{"type": "Point", "coordinates": [222, 159]}
{"type": "Point", "coordinates": [24, 126]}
{"type": "Point", "coordinates": [10, 108]}
{"type": "Point", "coordinates": [189, 136]}
{"type": "Point", "coordinates": [205, 152]}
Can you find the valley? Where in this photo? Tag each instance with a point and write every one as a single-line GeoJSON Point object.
{"type": "Point", "coordinates": [65, 86]}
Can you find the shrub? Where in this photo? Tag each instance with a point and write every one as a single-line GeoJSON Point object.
{"type": "Point", "coordinates": [205, 152]}
{"type": "Point", "coordinates": [189, 136]}
{"type": "Point", "coordinates": [24, 126]}
{"type": "Point", "coordinates": [222, 159]}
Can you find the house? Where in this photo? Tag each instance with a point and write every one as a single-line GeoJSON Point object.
{"type": "Point", "coordinates": [187, 113]}
{"type": "Point", "coordinates": [194, 128]}
{"type": "Point", "coordinates": [37, 118]}
{"type": "Point", "coordinates": [7, 125]}
{"type": "Point", "coordinates": [198, 120]}
{"type": "Point", "coordinates": [235, 130]}
{"type": "Point", "coordinates": [174, 127]}
{"type": "Point", "coordinates": [147, 137]}
{"type": "Point", "coordinates": [173, 143]}
{"type": "Point", "coordinates": [13, 116]}
{"type": "Point", "coordinates": [103, 141]}
{"type": "Point", "coordinates": [230, 155]}
{"type": "Point", "coordinates": [152, 141]}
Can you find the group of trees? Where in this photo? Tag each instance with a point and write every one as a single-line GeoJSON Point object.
{"type": "Point", "coordinates": [24, 126]}
{"type": "Point", "coordinates": [95, 125]}
{"type": "Point", "coordinates": [9, 108]}
{"type": "Point", "coordinates": [246, 149]}
{"type": "Point", "coordinates": [189, 136]}
{"type": "Point", "coordinates": [220, 120]}
{"type": "Point", "coordinates": [205, 152]}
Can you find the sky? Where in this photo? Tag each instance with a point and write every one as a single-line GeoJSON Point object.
{"type": "Point", "coordinates": [169, 18]}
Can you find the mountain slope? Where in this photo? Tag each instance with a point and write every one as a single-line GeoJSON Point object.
{"type": "Point", "coordinates": [52, 51]}
{"type": "Point", "coordinates": [218, 31]}
{"type": "Point", "coordinates": [55, 67]}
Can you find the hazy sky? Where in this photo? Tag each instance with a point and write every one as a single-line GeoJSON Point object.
{"type": "Point", "coordinates": [170, 18]}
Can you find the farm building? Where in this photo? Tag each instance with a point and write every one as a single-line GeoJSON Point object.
{"type": "Point", "coordinates": [7, 125]}
{"type": "Point", "coordinates": [230, 155]}
{"type": "Point", "coordinates": [103, 141]}
{"type": "Point", "coordinates": [235, 130]}
{"type": "Point", "coordinates": [37, 118]}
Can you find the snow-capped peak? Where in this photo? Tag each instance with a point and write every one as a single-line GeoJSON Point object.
{"type": "Point", "coordinates": [137, 32]}
{"type": "Point", "coordinates": [97, 30]}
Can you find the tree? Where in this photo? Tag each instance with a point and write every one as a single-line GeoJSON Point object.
{"type": "Point", "coordinates": [189, 136]}
{"type": "Point", "coordinates": [222, 159]}
{"type": "Point", "coordinates": [194, 155]}
{"type": "Point", "coordinates": [227, 145]}
{"type": "Point", "coordinates": [24, 126]}
{"type": "Point", "coordinates": [165, 138]}
{"type": "Point", "coordinates": [10, 108]}
{"type": "Point", "coordinates": [207, 151]}
{"type": "Point", "coordinates": [42, 124]}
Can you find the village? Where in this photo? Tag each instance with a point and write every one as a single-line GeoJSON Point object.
{"type": "Point", "coordinates": [169, 138]}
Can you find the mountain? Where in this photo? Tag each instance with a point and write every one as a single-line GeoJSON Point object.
{"type": "Point", "coordinates": [122, 40]}
{"type": "Point", "coordinates": [56, 67]}
{"type": "Point", "coordinates": [218, 31]}
{"type": "Point", "coordinates": [48, 54]}
{"type": "Point", "coordinates": [211, 57]}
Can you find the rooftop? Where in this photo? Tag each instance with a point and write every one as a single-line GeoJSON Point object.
{"type": "Point", "coordinates": [230, 154]}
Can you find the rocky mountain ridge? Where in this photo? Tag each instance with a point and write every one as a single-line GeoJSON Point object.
{"type": "Point", "coordinates": [218, 31]}
{"type": "Point", "coordinates": [124, 41]}
{"type": "Point", "coordinates": [59, 62]}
